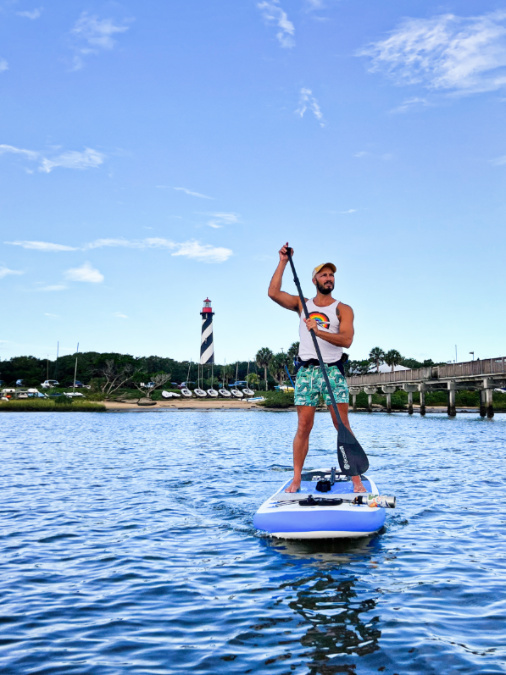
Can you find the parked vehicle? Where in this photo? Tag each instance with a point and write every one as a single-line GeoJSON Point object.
{"type": "Point", "coordinates": [50, 383]}
{"type": "Point", "coordinates": [77, 384]}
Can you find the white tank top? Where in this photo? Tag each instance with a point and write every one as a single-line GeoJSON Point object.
{"type": "Point", "coordinates": [327, 321]}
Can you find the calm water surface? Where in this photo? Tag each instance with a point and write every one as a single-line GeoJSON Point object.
{"type": "Point", "coordinates": [127, 547]}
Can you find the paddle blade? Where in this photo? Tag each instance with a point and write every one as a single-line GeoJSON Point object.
{"type": "Point", "coordinates": [352, 458]}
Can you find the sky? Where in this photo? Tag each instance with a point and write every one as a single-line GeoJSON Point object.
{"type": "Point", "coordinates": [155, 154]}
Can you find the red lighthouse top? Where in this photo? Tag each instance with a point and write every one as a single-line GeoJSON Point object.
{"type": "Point", "coordinates": [207, 309]}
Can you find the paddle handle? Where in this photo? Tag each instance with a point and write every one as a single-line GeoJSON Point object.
{"type": "Point", "coordinates": [315, 341]}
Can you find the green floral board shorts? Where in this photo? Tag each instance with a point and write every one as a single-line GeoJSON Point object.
{"type": "Point", "coordinates": [310, 385]}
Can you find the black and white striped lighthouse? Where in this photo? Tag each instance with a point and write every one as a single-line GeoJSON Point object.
{"type": "Point", "coordinates": [206, 342]}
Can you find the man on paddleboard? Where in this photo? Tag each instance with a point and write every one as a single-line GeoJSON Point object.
{"type": "Point", "coordinates": [332, 323]}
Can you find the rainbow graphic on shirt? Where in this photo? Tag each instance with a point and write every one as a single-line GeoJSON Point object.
{"type": "Point", "coordinates": [321, 319]}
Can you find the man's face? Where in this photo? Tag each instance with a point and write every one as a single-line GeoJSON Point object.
{"type": "Point", "coordinates": [324, 281]}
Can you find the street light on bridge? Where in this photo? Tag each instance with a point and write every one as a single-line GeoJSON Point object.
{"type": "Point", "coordinates": [472, 354]}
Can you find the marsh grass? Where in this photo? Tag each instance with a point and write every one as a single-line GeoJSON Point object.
{"type": "Point", "coordinates": [45, 405]}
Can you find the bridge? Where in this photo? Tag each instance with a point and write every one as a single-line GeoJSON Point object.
{"type": "Point", "coordinates": [483, 375]}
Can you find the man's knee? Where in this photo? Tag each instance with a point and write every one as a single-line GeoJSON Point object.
{"type": "Point", "coordinates": [305, 425]}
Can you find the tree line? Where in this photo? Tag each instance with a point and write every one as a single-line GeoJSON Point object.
{"type": "Point", "coordinates": [265, 369]}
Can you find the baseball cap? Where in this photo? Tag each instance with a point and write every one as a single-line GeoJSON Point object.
{"type": "Point", "coordinates": [320, 267]}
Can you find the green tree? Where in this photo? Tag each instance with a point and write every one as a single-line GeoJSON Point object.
{"type": "Point", "coordinates": [253, 380]}
{"type": "Point", "coordinates": [357, 367]}
{"type": "Point", "coordinates": [377, 357]}
{"type": "Point", "coordinates": [393, 358]}
{"type": "Point", "coordinates": [277, 367]}
{"type": "Point", "coordinates": [293, 351]}
{"type": "Point", "coordinates": [263, 359]}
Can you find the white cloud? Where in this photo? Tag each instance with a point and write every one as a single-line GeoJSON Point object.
{"type": "Point", "coordinates": [52, 316]}
{"type": "Point", "coordinates": [190, 249]}
{"type": "Point", "coordinates": [88, 159]}
{"type": "Point", "coordinates": [5, 272]}
{"type": "Point", "coordinates": [314, 5]}
{"type": "Point", "coordinates": [29, 154]}
{"type": "Point", "coordinates": [41, 246]}
{"type": "Point", "coordinates": [447, 53]}
{"type": "Point", "coordinates": [203, 252]}
{"type": "Point", "coordinates": [51, 288]}
{"type": "Point", "coordinates": [30, 14]}
{"type": "Point", "coordinates": [3, 65]}
{"type": "Point", "coordinates": [92, 35]}
{"type": "Point", "coordinates": [189, 192]}
{"type": "Point", "coordinates": [348, 212]}
{"type": "Point", "coordinates": [410, 104]}
{"type": "Point", "coordinates": [385, 157]}
{"type": "Point", "coordinates": [499, 161]}
{"type": "Point", "coordinates": [220, 219]}
{"type": "Point", "coordinates": [85, 273]}
{"type": "Point", "coordinates": [273, 14]}
{"type": "Point", "coordinates": [119, 315]}
{"type": "Point", "coordinates": [308, 102]}
{"type": "Point", "coordinates": [113, 243]}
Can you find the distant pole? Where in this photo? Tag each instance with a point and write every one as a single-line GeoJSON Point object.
{"type": "Point", "coordinates": [206, 340]}
{"type": "Point", "coordinates": [456, 358]}
{"type": "Point", "coordinates": [472, 354]}
{"type": "Point", "coordinates": [56, 364]}
{"type": "Point", "coordinates": [75, 369]}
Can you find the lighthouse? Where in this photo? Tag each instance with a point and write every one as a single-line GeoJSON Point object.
{"type": "Point", "coordinates": [206, 342]}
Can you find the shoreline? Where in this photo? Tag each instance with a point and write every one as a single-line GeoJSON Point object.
{"type": "Point", "coordinates": [223, 404]}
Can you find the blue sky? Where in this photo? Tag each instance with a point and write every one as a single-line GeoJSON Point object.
{"type": "Point", "coordinates": [153, 154]}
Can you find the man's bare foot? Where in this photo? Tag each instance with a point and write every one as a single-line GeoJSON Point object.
{"type": "Point", "coordinates": [294, 486]}
{"type": "Point", "coordinates": [357, 484]}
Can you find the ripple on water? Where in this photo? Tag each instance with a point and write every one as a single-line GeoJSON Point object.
{"type": "Point", "coordinates": [127, 546]}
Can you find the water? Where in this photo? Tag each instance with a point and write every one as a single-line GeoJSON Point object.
{"type": "Point", "coordinates": [127, 547]}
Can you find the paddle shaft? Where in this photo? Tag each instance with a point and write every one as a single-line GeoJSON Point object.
{"type": "Point", "coordinates": [315, 341]}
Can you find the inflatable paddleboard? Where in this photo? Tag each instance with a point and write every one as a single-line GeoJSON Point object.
{"type": "Point", "coordinates": [313, 514]}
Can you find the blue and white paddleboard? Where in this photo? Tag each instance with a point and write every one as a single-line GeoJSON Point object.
{"type": "Point", "coordinates": [310, 514]}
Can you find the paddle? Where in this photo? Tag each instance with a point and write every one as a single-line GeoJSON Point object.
{"type": "Point", "coordinates": [352, 458]}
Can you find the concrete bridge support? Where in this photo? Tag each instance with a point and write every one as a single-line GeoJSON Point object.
{"type": "Point", "coordinates": [488, 395]}
{"type": "Point", "coordinates": [369, 391]}
{"type": "Point", "coordinates": [422, 389]}
{"type": "Point", "coordinates": [452, 412]}
{"type": "Point", "coordinates": [354, 391]}
{"type": "Point", "coordinates": [483, 404]}
{"type": "Point", "coordinates": [389, 389]}
{"type": "Point", "coordinates": [410, 388]}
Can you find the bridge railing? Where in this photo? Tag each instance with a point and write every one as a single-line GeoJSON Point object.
{"type": "Point", "coordinates": [496, 366]}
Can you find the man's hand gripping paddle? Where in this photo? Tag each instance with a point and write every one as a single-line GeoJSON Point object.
{"type": "Point", "coordinates": [352, 458]}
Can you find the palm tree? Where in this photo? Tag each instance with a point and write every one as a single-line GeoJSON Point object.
{"type": "Point", "coordinates": [263, 358]}
{"type": "Point", "coordinates": [293, 351]}
{"type": "Point", "coordinates": [393, 358]}
{"type": "Point", "coordinates": [277, 367]}
{"type": "Point", "coordinates": [377, 356]}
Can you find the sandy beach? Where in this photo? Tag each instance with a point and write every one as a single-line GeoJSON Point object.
{"type": "Point", "coordinates": [185, 404]}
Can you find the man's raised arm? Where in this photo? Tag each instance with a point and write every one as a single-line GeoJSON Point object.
{"type": "Point", "coordinates": [275, 293]}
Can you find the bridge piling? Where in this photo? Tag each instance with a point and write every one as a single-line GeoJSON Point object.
{"type": "Point", "coordinates": [388, 390]}
{"type": "Point", "coordinates": [483, 405]}
{"type": "Point", "coordinates": [452, 411]}
{"type": "Point", "coordinates": [422, 389]}
{"type": "Point", "coordinates": [369, 391]}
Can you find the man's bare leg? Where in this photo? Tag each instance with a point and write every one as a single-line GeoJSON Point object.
{"type": "Point", "coordinates": [342, 408]}
{"type": "Point", "coordinates": [305, 416]}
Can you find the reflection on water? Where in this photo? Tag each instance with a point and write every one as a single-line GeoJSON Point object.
{"type": "Point", "coordinates": [338, 621]}
{"type": "Point", "coordinates": [127, 547]}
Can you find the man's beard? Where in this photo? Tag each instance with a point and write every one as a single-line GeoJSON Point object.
{"type": "Point", "coordinates": [324, 290]}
